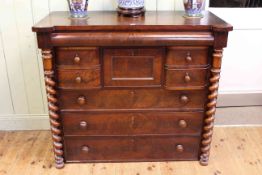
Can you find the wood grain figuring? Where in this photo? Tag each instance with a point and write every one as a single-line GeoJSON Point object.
{"type": "Point", "coordinates": [177, 79]}
{"type": "Point", "coordinates": [121, 38]}
{"type": "Point", "coordinates": [133, 67]}
{"type": "Point", "coordinates": [185, 57]}
{"type": "Point", "coordinates": [132, 99]}
{"type": "Point", "coordinates": [115, 149]}
{"type": "Point", "coordinates": [140, 89]}
{"type": "Point", "coordinates": [77, 57]}
{"type": "Point", "coordinates": [79, 79]}
{"type": "Point", "coordinates": [239, 146]}
{"type": "Point", "coordinates": [133, 123]}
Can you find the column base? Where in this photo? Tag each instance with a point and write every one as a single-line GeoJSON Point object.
{"type": "Point", "coordinates": [204, 160]}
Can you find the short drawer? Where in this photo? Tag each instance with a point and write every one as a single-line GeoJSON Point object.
{"type": "Point", "coordinates": [77, 57]}
{"type": "Point", "coordinates": [182, 79]}
{"type": "Point", "coordinates": [79, 78]}
{"type": "Point", "coordinates": [123, 123]}
{"type": "Point", "coordinates": [131, 99]}
{"type": "Point", "coordinates": [141, 148]}
{"type": "Point", "coordinates": [184, 56]}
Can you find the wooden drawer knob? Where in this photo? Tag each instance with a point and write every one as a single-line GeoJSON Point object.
{"type": "Point", "coordinates": [81, 100]}
{"type": "Point", "coordinates": [77, 59]}
{"type": "Point", "coordinates": [85, 149]}
{"type": "Point", "coordinates": [184, 99]}
{"type": "Point", "coordinates": [78, 79]}
{"type": "Point", "coordinates": [132, 93]}
{"type": "Point", "coordinates": [182, 124]}
{"type": "Point", "coordinates": [187, 78]}
{"type": "Point", "coordinates": [83, 124]}
{"type": "Point", "coordinates": [179, 148]}
{"type": "Point", "coordinates": [188, 57]}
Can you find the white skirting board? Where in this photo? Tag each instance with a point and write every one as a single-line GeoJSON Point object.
{"type": "Point", "coordinates": [229, 116]}
{"type": "Point", "coordinates": [24, 122]}
{"type": "Point", "coordinates": [234, 99]}
{"type": "Point", "coordinates": [238, 116]}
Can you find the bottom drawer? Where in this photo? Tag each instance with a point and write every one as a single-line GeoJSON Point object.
{"type": "Point", "coordinates": [124, 148]}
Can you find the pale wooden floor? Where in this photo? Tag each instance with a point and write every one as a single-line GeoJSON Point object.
{"type": "Point", "coordinates": [235, 151]}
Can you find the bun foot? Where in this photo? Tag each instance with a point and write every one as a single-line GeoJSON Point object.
{"type": "Point", "coordinates": [60, 165]}
{"type": "Point", "coordinates": [203, 160]}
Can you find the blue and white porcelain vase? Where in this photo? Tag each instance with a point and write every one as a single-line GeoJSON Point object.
{"type": "Point", "coordinates": [193, 8]}
{"type": "Point", "coordinates": [78, 8]}
{"type": "Point", "coordinates": [131, 4]}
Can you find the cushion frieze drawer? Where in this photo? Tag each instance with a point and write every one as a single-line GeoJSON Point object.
{"type": "Point", "coordinates": [125, 123]}
{"type": "Point", "coordinates": [131, 99]}
{"type": "Point", "coordinates": [141, 148]}
{"type": "Point", "coordinates": [185, 56]}
{"type": "Point", "coordinates": [181, 79]}
{"type": "Point", "coordinates": [79, 78]}
{"type": "Point", "coordinates": [77, 57]}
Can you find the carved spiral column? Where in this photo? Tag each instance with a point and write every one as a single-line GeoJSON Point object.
{"type": "Point", "coordinates": [53, 108]}
{"type": "Point", "coordinates": [211, 107]}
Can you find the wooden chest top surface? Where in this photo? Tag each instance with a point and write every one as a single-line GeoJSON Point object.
{"type": "Point", "coordinates": [165, 20]}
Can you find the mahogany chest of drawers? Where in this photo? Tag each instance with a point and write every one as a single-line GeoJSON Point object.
{"type": "Point", "coordinates": [131, 89]}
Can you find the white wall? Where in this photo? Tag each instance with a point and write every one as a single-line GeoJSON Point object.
{"type": "Point", "coordinates": [243, 57]}
{"type": "Point", "coordinates": [23, 100]}
{"type": "Point", "coordinates": [242, 62]}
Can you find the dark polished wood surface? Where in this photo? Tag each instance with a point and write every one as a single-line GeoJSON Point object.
{"type": "Point", "coordinates": [133, 67]}
{"type": "Point", "coordinates": [132, 99]}
{"type": "Point", "coordinates": [131, 89]}
{"type": "Point", "coordinates": [188, 57]}
{"type": "Point", "coordinates": [77, 57]}
{"type": "Point", "coordinates": [131, 38]}
{"type": "Point", "coordinates": [132, 123]}
{"type": "Point", "coordinates": [141, 148]}
{"type": "Point", "coordinates": [159, 21]}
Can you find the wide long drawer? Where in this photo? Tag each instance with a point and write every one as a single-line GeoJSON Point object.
{"type": "Point", "coordinates": [132, 123]}
{"type": "Point", "coordinates": [142, 148]}
{"type": "Point", "coordinates": [131, 99]}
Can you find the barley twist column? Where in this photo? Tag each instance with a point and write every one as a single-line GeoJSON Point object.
{"type": "Point", "coordinates": [211, 107]}
{"type": "Point", "coordinates": [53, 108]}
